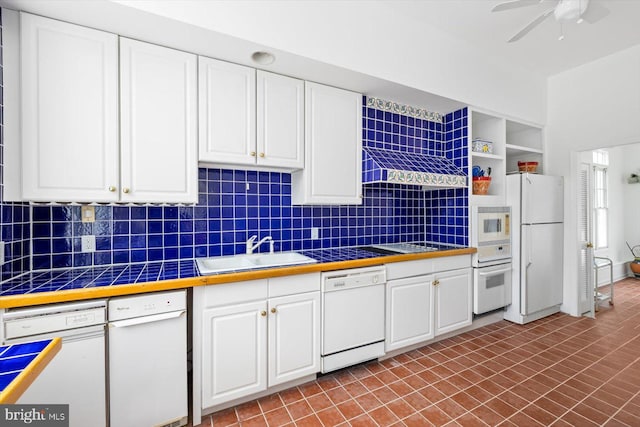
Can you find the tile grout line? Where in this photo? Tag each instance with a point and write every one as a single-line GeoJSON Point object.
{"type": "Point", "coordinates": [568, 330]}
{"type": "Point", "coordinates": [573, 377]}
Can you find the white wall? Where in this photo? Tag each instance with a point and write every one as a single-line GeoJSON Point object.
{"type": "Point", "coordinates": [617, 206]}
{"type": "Point", "coordinates": [370, 37]}
{"type": "Point", "coordinates": [616, 249]}
{"type": "Point", "coordinates": [596, 105]}
{"type": "Point", "coordinates": [631, 194]}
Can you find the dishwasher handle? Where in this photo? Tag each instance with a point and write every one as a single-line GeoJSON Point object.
{"type": "Point", "coordinates": [146, 319]}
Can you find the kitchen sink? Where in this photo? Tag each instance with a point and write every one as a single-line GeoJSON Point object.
{"type": "Point", "coordinates": [223, 264]}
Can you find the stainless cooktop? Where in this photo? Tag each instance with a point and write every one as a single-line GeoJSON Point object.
{"type": "Point", "coordinates": [400, 248]}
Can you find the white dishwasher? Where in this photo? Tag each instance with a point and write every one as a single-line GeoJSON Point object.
{"type": "Point", "coordinates": [76, 375]}
{"type": "Point", "coordinates": [147, 341]}
{"type": "Point", "coordinates": [352, 316]}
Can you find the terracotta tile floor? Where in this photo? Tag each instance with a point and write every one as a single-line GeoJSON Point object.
{"type": "Point", "coordinates": [560, 371]}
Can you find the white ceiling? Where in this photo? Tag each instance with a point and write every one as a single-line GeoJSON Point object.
{"type": "Point", "coordinates": [540, 50]}
{"type": "Point", "coordinates": [469, 21]}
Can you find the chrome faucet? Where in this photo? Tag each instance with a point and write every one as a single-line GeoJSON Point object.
{"type": "Point", "coordinates": [251, 247]}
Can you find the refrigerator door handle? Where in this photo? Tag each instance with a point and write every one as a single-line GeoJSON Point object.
{"type": "Point", "coordinates": [523, 289]}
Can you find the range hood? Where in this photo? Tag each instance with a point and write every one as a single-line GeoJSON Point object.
{"type": "Point", "coordinates": [399, 167]}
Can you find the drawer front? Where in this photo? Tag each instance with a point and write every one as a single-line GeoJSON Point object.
{"type": "Point", "coordinates": [290, 285]}
{"type": "Point", "coordinates": [233, 293]}
{"type": "Point", "coordinates": [401, 270]}
{"type": "Point", "coordinates": [451, 263]}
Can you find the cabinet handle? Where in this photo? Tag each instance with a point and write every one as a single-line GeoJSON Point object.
{"type": "Point", "coordinates": [261, 154]}
{"type": "Point", "coordinates": [273, 310]}
{"type": "Point", "coordinates": [125, 190]}
{"type": "Point", "coordinates": [253, 154]}
{"type": "Point", "coordinates": [112, 188]}
{"type": "Point", "coordinates": [436, 282]}
{"type": "Point", "coordinates": [263, 313]}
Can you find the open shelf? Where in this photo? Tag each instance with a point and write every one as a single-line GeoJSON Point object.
{"type": "Point", "coordinates": [513, 141]}
{"type": "Point", "coordinates": [486, 155]}
{"type": "Point", "coordinates": [515, 150]}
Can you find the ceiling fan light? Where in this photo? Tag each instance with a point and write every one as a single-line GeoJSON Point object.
{"type": "Point", "coordinates": [570, 10]}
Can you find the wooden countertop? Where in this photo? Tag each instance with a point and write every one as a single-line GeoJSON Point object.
{"type": "Point", "coordinates": [137, 286]}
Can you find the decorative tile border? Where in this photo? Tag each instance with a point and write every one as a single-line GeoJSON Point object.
{"type": "Point", "coordinates": [394, 107]}
{"type": "Point", "coordinates": [425, 178]}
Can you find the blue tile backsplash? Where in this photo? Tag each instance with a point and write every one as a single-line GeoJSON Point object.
{"type": "Point", "coordinates": [447, 210]}
{"type": "Point", "coordinates": [236, 204]}
{"type": "Point", "coordinates": [14, 217]}
{"type": "Point", "coordinates": [233, 205]}
{"type": "Point", "coordinates": [446, 216]}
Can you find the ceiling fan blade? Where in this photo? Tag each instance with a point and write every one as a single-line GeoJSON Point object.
{"type": "Point", "coordinates": [595, 12]}
{"type": "Point", "coordinates": [514, 4]}
{"type": "Point", "coordinates": [523, 32]}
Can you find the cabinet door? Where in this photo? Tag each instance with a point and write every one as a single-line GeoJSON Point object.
{"type": "Point", "coordinates": [69, 112]}
{"type": "Point", "coordinates": [234, 352]}
{"type": "Point", "coordinates": [294, 337]}
{"type": "Point", "coordinates": [280, 120]}
{"type": "Point", "coordinates": [227, 104]}
{"type": "Point", "coordinates": [333, 148]}
{"type": "Point", "coordinates": [453, 300]}
{"type": "Point", "coordinates": [158, 124]}
{"type": "Point", "coordinates": [409, 318]}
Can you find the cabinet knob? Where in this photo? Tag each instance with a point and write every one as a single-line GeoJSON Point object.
{"type": "Point", "coordinates": [253, 154]}
{"type": "Point", "coordinates": [273, 310]}
{"type": "Point", "coordinates": [436, 282]}
{"type": "Point", "coordinates": [112, 188]}
{"type": "Point", "coordinates": [261, 154]}
{"type": "Point", "coordinates": [125, 190]}
{"type": "Point", "coordinates": [263, 313]}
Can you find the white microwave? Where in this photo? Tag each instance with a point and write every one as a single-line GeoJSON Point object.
{"type": "Point", "coordinates": [491, 225]}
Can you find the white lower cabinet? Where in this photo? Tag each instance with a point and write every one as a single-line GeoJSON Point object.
{"type": "Point", "coordinates": [409, 312]}
{"type": "Point", "coordinates": [453, 300]}
{"type": "Point", "coordinates": [294, 337]}
{"type": "Point", "coordinates": [254, 335]}
{"type": "Point", "coordinates": [427, 298]}
{"type": "Point", "coordinates": [234, 342]}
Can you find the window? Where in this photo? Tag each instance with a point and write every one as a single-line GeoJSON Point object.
{"type": "Point", "coordinates": [601, 157]}
{"type": "Point", "coordinates": [600, 199]}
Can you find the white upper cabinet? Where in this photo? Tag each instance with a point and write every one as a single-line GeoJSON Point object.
{"type": "Point", "coordinates": [69, 112]}
{"type": "Point", "coordinates": [280, 121]}
{"type": "Point", "coordinates": [250, 118]}
{"type": "Point", "coordinates": [158, 124]}
{"type": "Point", "coordinates": [103, 126]}
{"type": "Point", "coordinates": [227, 101]}
{"type": "Point", "coordinates": [333, 148]}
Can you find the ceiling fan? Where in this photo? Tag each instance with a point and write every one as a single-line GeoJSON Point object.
{"type": "Point", "coordinates": [564, 11]}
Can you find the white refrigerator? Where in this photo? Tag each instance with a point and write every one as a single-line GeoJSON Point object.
{"type": "Point", "coordinates": [537, 212]}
